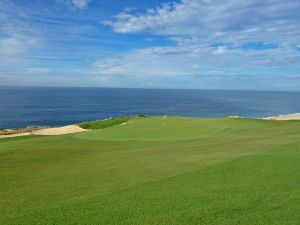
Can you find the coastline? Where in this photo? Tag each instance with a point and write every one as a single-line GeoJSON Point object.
{"type": "Point", "coordinates": [294, 116]}
{"type": "Point", "coordinates": [69, 129]}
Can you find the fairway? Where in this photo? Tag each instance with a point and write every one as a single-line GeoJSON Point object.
{"type": "Point", "coordinates": [146, 171]}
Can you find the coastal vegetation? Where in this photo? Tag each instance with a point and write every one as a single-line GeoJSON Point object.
{"type": "Point", "coordinates": [154, 170]}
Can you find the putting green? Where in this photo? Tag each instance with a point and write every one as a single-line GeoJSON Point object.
{"type": "Point", "coordinates": [173, 128]}
{"type": "Point", "coordinates": [138, 171]}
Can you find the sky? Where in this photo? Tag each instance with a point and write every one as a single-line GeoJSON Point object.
{"type": "Point", "coordinates": [197, 44]}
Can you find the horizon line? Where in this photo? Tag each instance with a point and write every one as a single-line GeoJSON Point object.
{"type": "Point", "coordinates": [147, 88]}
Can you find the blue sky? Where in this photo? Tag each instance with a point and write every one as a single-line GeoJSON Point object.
{"type": "Point", "coordinates": [205, 44]}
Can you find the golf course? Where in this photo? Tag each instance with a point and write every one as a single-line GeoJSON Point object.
{"type": "Point", "coordinates": [154, 170]}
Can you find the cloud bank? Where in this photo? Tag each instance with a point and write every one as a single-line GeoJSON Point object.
{"type": "Point", "coordinates": [209, 35]}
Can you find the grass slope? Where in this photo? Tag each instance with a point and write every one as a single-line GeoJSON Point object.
{"type": "Point", "coordinates": [190, 171]}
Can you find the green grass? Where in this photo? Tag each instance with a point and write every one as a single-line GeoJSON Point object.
{"type": "Point", "coordinates": [101, 124]}
{"type": "Point", "coordinates": [190, 171]}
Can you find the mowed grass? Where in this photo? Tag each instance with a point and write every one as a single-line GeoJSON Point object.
{"type": "Point", "coordinates": [189, 171]}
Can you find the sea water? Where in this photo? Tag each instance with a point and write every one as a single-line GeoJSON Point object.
{"type": "Point", "coordinates": [53, 106]}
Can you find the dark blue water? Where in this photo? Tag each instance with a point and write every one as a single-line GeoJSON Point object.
{"type": "Point", "coordinates": [23, 106]}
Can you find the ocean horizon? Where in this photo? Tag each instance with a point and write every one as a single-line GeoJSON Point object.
{"type": "Point", "coordinates": [57, 106]}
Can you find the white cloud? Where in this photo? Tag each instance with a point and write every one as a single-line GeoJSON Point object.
{"type": "Point", "coordinates": [39, 70]}
{"type": "Point", "coordinates": [81, 4]}
{"type": "Point", "coordinates": [217, 20]}
{"type": "Point", "coordinates": [11, 47]}
{"type": "Point", "coordinates": [17, 37]}
{"type": "Point", "coordinates": [197, 26]}
{"type": "Point", "coordinates": [193, 59]}
{"type": "Point", "coordinates": [227, 20]}
{"type": "Point", "coordinates": [14, 46]}
{"type": "Point", "coordinates": [220, 50]}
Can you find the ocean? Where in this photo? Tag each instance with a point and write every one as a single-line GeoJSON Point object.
{"type": "Point", "coordinates": [53, 106]}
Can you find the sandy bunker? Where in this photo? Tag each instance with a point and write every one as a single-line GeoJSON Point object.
{"type": "Point", "coordinates": [50, 131]}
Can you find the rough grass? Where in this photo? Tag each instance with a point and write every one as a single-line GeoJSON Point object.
{"type": "Point", "coordinates": [101, 124]}
{"type": "Point", "coordinates": [190, 171]}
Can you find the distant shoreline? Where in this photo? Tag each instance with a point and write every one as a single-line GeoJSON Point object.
{"type": "Point", "coordinates": [294, 116]}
